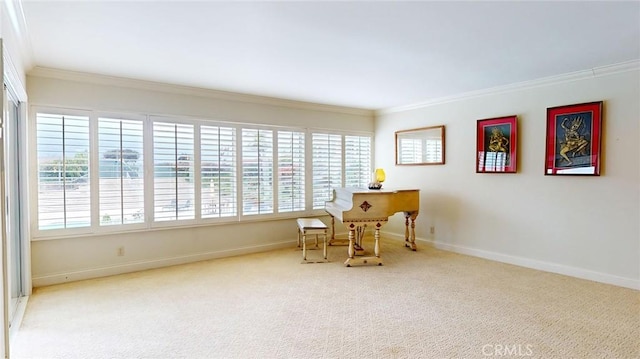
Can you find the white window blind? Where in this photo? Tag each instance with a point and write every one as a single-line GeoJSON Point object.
{"type": "Point", "coordinates": [64, 189]}
{"type": "Point", "coordinates": [433, 151]}
{"type": "Point", "coordinates": [218, 172]}
{"type": "Point", "coordinates": [410, 150]}
{"type": "Point", "coordinates": [291, 154]}
{"type": "Point", "coordinates": [257, 171]}
{"type": "Point", "coordinates": [121, 170]}
{"type": "Point", "coordinates": [234, 171]}
{"type": "Point", "coordinates": [327, 166]}
{"type": "Point", "coordinates": [173, 150]}
{"type": "Point", "coordinates": [357, 161]}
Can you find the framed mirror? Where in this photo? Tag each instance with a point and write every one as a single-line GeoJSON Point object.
{"type": "Point", "coordinates": [420, 146]}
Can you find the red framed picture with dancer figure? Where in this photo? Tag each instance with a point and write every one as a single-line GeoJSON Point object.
{"type": "Point", "coordinates": [496, 147]}
{"type": "Point", "coordinates": [574, 138]}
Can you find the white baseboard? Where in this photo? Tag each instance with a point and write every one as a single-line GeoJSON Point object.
{"type": "Point", "coordinates": [530, 263]}
{"type": "Point", "coordinates": [499, 257]}
{"type": "Point", "coordinates": [58, 278]}
{"type": "Point", "coordinates": [18, 315]}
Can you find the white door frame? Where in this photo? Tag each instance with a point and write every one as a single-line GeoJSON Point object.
{"type": "Point", "coordinates": [11, 82]}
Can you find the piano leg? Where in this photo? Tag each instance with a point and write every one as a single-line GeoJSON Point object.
{"type": "Point", "coordinates": [359, 251]}
{"type": "Point", "coordinates": [351, 250]}
{"type": "Point", "coordinates": [376, 246]}
{"type": "Point", "coordinates": [333, 241]}
{"type": "Point", "coordinates": [413, 233]}
{"type": "Point", "coordinates": [352, 260]}
{"type": "Point", "coordinates": [406, 229]}
{"type": "Point", "coordinates": [410, 238]}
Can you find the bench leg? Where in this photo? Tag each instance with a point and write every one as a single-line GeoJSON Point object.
{"type": "Point", "coordinates": [325, 245]}
{"type": "Point", "coordinates": [304, 246]}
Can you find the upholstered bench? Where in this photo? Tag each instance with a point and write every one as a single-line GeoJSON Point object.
{"type": "Point", "coordinates": [311, 226]}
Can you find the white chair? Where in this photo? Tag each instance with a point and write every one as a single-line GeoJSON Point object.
{"type": "Point", "coordinates": [311, 226]}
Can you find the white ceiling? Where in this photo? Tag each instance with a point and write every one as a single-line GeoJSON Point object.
{"type": "Point", "coordinates": [370, 55]}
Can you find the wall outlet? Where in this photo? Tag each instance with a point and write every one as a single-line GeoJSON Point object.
{"type": "Point", "coordinates": [432, 229]}
{"type": "Point", "coordinates": [120, 251]}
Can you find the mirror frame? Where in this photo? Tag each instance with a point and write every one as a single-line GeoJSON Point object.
{"type": "Point", "coordinates": [423, 133]}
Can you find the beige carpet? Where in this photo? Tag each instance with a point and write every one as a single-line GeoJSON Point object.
{"type": "Point", "coordinates": [424, 304]}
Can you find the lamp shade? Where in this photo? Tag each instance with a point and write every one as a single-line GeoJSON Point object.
{"type": "Point", "coordinates": [380, 175]}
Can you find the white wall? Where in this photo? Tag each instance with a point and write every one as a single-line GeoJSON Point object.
{"type": "Point", "coordinates": [581, 226]}
{"type": "Point", "coordinates": [59, 260]}
{"type": "Point", "coordinates": [586, 227]}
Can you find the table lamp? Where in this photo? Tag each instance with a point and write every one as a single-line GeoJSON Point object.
{"type": "Point", "coordinates": [378, 177]}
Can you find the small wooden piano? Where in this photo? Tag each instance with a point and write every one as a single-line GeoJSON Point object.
{"type": "Point", "coordinates": [357, 208]}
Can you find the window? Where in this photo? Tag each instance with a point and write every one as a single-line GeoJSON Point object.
{"type": "Point", "coordinates": [291, 153]}
{"type": "Point", "coordinates": [101, 173]}
{"type": "Point", "coordinates": [121, 171]}
{"type": "Point", "coordinates": [63, 171]}
{"type": "Point", "coordinates": [328, 159]}
{"type": "Point", "coordinates": [218, 172]}
{"type": "Point", "coordinates": [257, 171]}
{"type": "Point", "coordinates": [357, 161]}
{"type": "Point", "coordinates": [173, 171]}
{"type": "Point", "coordinates": [327, 166]}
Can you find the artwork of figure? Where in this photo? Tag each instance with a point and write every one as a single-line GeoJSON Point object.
{"type": "Point", "coordinates": [574, 136]}
{"type": "Point", "coordinates": [498, 142]}
{"type": "Point", "coordinates": [574, 142]}
{"type": "Point", "coordinates": [496, 149]}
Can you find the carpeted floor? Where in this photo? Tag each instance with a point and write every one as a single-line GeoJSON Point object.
{"type": "Point", "coordinates": [424, 304]}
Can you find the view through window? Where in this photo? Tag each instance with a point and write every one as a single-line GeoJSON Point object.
{"type": "Point", "coordinates": [116, 172]}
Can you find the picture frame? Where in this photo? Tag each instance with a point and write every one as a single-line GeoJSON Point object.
{"type": "Point", "coordinates": [420, 146]}
{"type": "Point", "coordinates": [574, 139]}
{"type": "Point", "coordinates": [497, 144]}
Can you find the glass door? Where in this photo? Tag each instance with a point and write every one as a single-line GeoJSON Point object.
{"type": "Point", "coordinates": [12, 158]}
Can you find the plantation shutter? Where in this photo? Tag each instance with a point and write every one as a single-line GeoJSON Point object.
{"type": "Point", "coordinates": [291, 154]}
{"type": "Point", "coordinates": [218, 172]}
{"type": "Point", "coordinates": [257, 171]}
{"type": "Point", "coordinates": [410, 150]}
{"type": "Point", "coordinates": [63, 171]}
{"type": "Point", "coordinates": [327, 166]}
{"type": "Point", "coordinates": [121, 170]}
{"type": "Point", "coordinates": [433, 151]}
{"type": "Point", "coordinates": [173, 171]}
{"type": "Point", "coordinates": [357, 161]}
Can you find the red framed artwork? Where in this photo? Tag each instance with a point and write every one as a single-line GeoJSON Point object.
{"type": "Point", "coordinates": [496, 145]}
{"type": "Point", "coordinates": [574, 137]}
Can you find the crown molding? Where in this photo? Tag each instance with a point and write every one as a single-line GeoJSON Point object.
{"type": "Point", "coordinates": [633, 65]}
{"type": "Point", "coordinates": [107, 80]}
{"type": "Point", "coordinates": [15, 14]}
{"type": "Point", "coordinates": [13, 79]}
